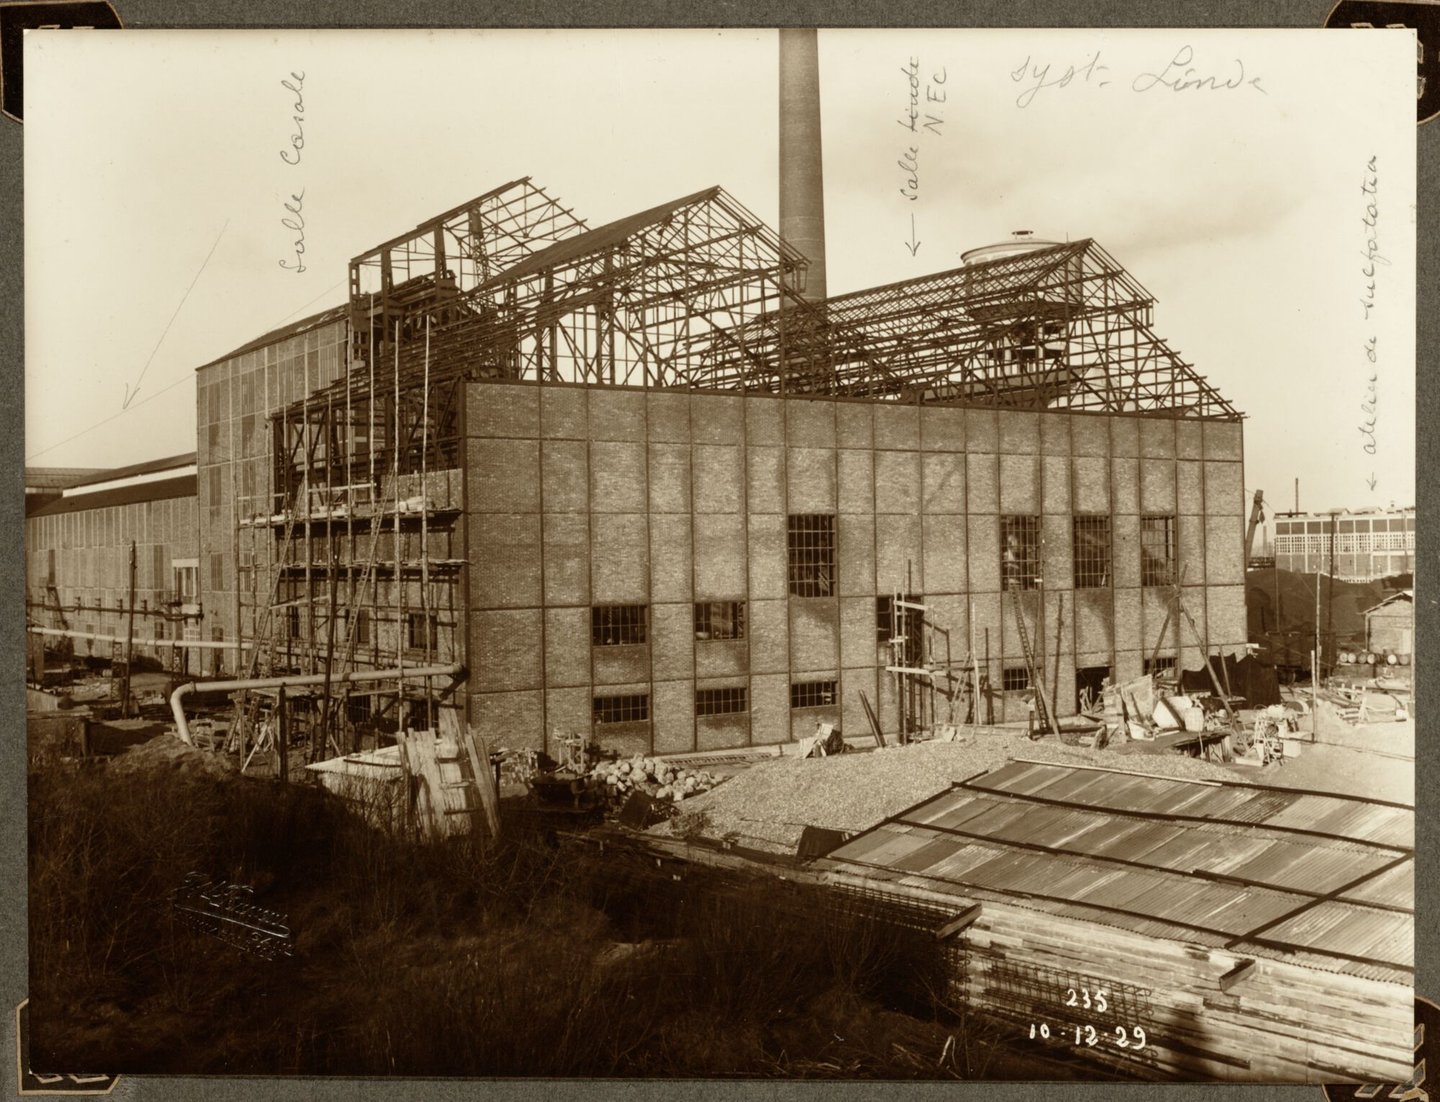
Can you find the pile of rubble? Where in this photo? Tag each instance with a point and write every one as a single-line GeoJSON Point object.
{"type": "Point", "coordinates": [616, 780]}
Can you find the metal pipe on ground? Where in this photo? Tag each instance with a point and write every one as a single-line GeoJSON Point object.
{"type": "Point", "coordinates": [177, 706]}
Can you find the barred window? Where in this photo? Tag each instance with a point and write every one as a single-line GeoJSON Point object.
{"type": "Point", "coordinates": [1020, 551]}
{"type": "Point", "coordinates": [1157, 550]}
{"type": "Point", "coordinates": [633, 708]}
{"type": "Point", "coordinates": [1014, 679]}
{"type": "Point", "coordinates": [811, 546]}
{"type": "Point", "coordinates": [812, 694]}
{"type": "Point", "coordinates": [1160, 665]}
{"type": "Point", "coordinates": [358, 708]}
{"type": "Point", "coordinates": [721, 702]}
{"type": "Point", "coordinates": [720, 620]}
{"type": "Point", "coordinates": [416, 636]}
{"type": "Point", "coordinates": [617, 625]}
{"type": "Point", "coordinates": [1092, 552]}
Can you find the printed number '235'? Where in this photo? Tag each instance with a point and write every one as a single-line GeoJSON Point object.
{"type": "Point", "coordinates": [1084, 999]}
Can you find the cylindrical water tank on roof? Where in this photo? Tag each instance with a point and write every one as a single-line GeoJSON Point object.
{"type": "Point", "coordinates": [1021, 241]}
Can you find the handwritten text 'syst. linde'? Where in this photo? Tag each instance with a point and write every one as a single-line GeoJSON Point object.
{"type": "Point", "coordinates": [1181, 73]}
{"type": "Point", "coordinates": [293, 220]}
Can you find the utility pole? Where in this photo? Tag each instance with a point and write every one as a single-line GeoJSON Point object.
{"type": "Point", "coordinates": [129, 640]}
{"type": "Point", "coordinates": [1330, 586]}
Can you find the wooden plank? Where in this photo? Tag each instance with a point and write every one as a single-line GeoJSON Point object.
{"type": "Point", "coordinates": [483, 778]}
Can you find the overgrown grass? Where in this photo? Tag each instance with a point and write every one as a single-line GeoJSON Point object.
{"type": "Point", "coordinates": [523, 958]}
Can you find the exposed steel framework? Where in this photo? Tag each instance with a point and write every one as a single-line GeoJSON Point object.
{"type": "Point", "coordinates": [1063, 328]}
{"type": "Point", "coordinates": [696, 293]}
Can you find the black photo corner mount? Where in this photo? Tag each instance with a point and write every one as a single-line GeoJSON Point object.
{"type": "Point", "coordinates": [19, 16]}
{"type": "Point", "coordinates": [1427, 1052]}
{"type": "Point", "coordinates": [32, 1082]}
{"type": "Point", "coordinates": [1423, 16]}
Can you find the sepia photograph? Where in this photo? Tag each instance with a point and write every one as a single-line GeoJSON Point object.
{"type": "Point", "coordinates": [783, 554]}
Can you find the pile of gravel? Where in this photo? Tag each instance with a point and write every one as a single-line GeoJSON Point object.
{"type": "Point", "coordinates": [768, 805]}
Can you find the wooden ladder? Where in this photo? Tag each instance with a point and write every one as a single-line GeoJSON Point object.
{"type": "Point", "coordinates": [1046, 713]}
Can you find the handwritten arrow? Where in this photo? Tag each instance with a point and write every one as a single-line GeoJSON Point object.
{"type": "Point", "coordinates": [130, 394]}
{"type": "Point", "coordinates": [913, 245]}
{"type": "Point", "coordinates": [1371, 481]}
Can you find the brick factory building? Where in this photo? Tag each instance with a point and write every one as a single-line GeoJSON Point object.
{"type": "Point", "coordinates": [630, 481]}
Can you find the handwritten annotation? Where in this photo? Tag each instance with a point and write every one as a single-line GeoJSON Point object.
{"type": "Point", "coordinates": [925, 123]}
{"type": "Point", "coordinates": [1373, 258]}
{"type": "Point", "coordinates": [1182, 73]}
{"type": "Point", "coordinates": [294, 221]}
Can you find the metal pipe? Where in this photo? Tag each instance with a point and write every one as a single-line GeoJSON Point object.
{"type": "Point", "coordinates": [177, 697]}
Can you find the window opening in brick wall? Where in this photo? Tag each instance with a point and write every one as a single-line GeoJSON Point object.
{"type": "Point", "coordinates": [812, 694]}
{"type": "Point", "coordinates": [1014, 679]}
{"type": "Point", "coordinates": [415, 633]}
{"type": "Point", "coordinates": [909, 625]}
{"type": "Point", "coordinates": [1160, 665]}
{"type": "Point", "coordinates": [617, 625]}
{"type": "Point", "coordinates": [633, 708]}
{"type": "Point", "coordinates": [720, 620]}
{"type": "Point", "coordinates": [811, 548]}
{"type": "Point", "coordinates": [358, 708]}
{"type": "Point", "coordinates": [721, 702]}
{"type": "Point", "coordinates": [362, 626]}
{"type": "Point", "coordinates": [1089, 687]}
{"type": "Point", "coordinates": [1020, 551]}
{"type": "Point", "coordinates": [1157, 550]}
{"type": "Point", "coordinates": [186, 583]}
{"type": "Point", "coordinates": [1092, 552]}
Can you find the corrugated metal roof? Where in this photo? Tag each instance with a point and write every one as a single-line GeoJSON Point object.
{"type": "Point", "coordinates": [1101, 851]}
{"type": "Point", "coordinates": [126, 495]}
{"type": "Point", "coordinates": [1398, 595]}
{"type": "Point", "coordinates": [60, 478]}
{"type": "Point", "coordinates": [149, 466]}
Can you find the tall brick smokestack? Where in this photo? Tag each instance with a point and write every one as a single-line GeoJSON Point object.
{"type": "Point", "coordinates": [802, 182]}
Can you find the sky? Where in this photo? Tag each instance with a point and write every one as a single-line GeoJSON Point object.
{"type": "Point", "coordinates": [155, 188]}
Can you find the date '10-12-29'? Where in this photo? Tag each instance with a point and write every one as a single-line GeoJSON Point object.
{"type": "Point", "coordinates": [1124, 1037]}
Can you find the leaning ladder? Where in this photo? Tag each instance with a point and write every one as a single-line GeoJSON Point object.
{"type": "Point", "coordinates": [1046, 714]}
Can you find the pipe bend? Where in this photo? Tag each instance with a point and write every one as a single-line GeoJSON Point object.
{"type": "Point", "coordinates": [182, 727]}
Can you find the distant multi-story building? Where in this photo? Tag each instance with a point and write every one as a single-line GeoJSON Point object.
{"type": "Point", "coordinates": [78, 548]}
{"type": "Point", "coordinates": [1354, 546]}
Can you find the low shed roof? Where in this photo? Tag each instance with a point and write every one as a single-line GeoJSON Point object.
{"type": "Point", "coordinates": [1317, 879]}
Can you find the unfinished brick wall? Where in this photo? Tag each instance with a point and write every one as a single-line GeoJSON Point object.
{"type": "Point", "coordinates": [586, 496]}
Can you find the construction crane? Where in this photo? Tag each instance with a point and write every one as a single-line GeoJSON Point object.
{"type": "Point", "coordinates": [1257, 514]}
